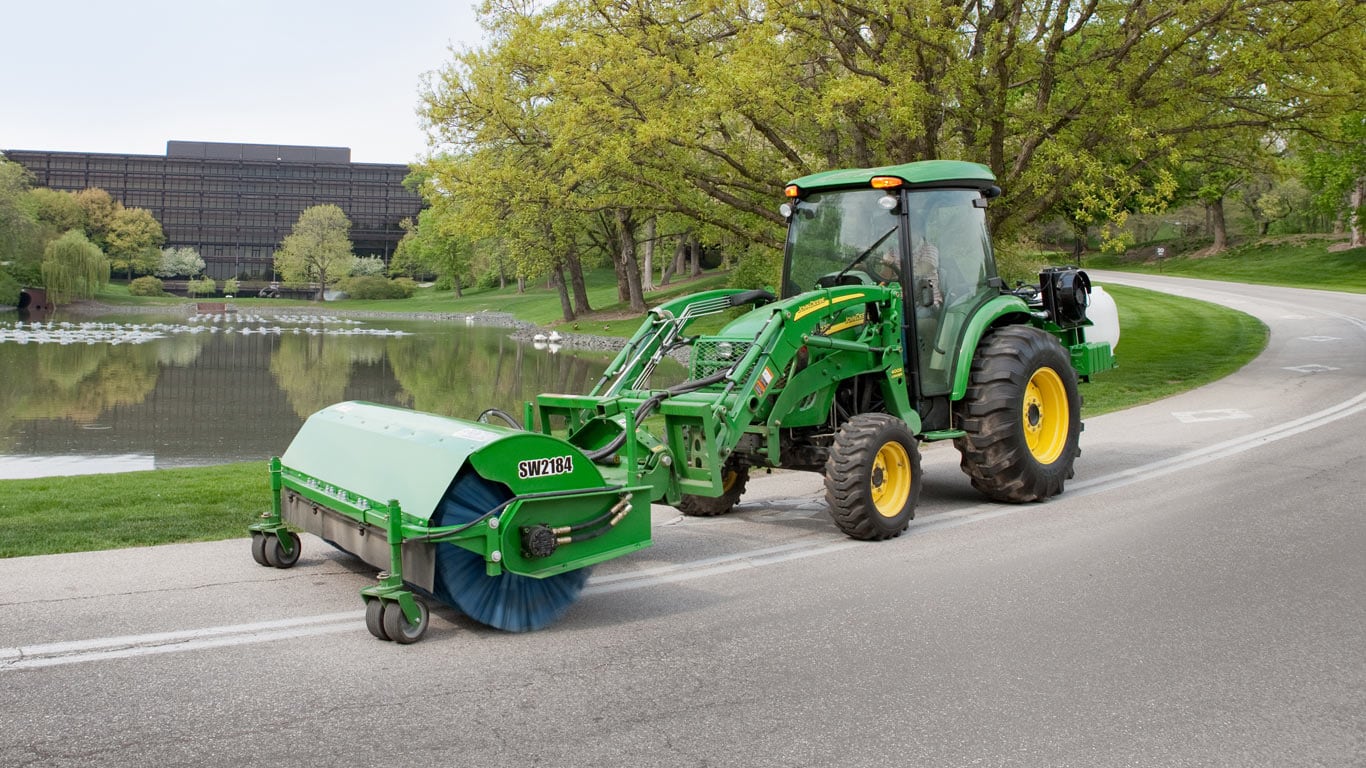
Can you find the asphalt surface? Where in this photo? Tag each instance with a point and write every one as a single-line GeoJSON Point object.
{"type": "Point", "coordinates": [1194, 599]}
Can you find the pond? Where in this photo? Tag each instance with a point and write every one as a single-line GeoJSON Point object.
{"type": "Point", "coordinates": [113, 394]}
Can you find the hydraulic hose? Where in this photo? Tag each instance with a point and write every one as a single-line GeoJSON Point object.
{"type": "Point", "coordinates": [647, 407]}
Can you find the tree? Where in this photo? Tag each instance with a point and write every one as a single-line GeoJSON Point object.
{"type": "Point", "coordinates": [180, 262]}
{"type": "Point", "coordinates": [74, 268]}
{"type": "Point", "coordinates": [362, 266]}
{"type": "Point", "coordinates": [19, 229]}
{"type": "Point", "coordinates": [1335, 169]}
{"type": "Point", "coordinates": [318, 249]}
{"type": "Point", "coordinates": [59, 211]}
{"type": "Point", "coordinates": [134, 240]}
{"type": "Point", "coordinates": [100, 208]}
{"type": "Point", "coordinates": [703, 110]}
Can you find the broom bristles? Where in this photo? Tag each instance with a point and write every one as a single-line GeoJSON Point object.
{"type": "Point", "coordinates": [510, 601]}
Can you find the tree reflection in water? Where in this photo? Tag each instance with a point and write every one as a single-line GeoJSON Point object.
{"type": "Point", "coordinates": [230, 395]}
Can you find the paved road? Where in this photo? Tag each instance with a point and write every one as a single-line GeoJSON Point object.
{"type": "Point", "coordinates": [1195, 599]}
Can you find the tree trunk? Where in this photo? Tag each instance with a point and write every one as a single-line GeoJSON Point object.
{"type": "Point", "coordinates": [521, 284]}
{"type": "Point", "coordinates": [1357, 200]}
{"type": "Point", "coordinates": [623, 287]}
{"type": "Point", "coordinates": [557, 277]}
{"type": "Point", "coordinates": [694, 256]}
{"type": "Point", "coordinates": [456, 279]}
{"type": "Point", "coordinates": [647, 269]}
{"type": "Point", "coordinates": [1215, 209]}
{"type": "Point", "coordinates": [675, 263]}
{"type": "Point", "coordinates": [627, 253]}
{"type": "Point", "coordinates": [576, 280]}
{"type": "Point", "coordinates": [1079, 242]}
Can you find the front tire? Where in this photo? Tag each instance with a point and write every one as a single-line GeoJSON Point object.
{"type": "Point", "coordinates": [1022, 415]}
{"type": "Point", "coordinates": [872, 477]}
{"type": "Point", "coordinates": [734, 478]}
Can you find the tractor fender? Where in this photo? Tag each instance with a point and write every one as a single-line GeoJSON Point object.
{"type": "Point", "coordinates": [998, 311]}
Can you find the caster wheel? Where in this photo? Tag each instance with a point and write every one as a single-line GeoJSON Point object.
{"type": "Point", "coordinates": [396, 625]}
{"type": "Point", "coordinates": [258, 549]}
{"type": "Point", "coordinates": [276, 554]}
{"type": "Point", "coordinates": [374, 618]}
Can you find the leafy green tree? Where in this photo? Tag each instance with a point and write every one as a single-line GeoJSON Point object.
{"type": "Point", "coordinates": [99, 209]}
{"type": "Point", "coordinates": [1335, 169]}
{"type": "Point", "coordinates": [74, 268]}
{"type": "Point", "coordinates": [702, 110]}
{"type": "Point", "coordinates": [19, 229]}
{"type": "Point", "coordinates": [318, 249]}
{"type": "Point", "coordinates": [59, 211]}
{"type": "Point", "coordinates": [134, 240]}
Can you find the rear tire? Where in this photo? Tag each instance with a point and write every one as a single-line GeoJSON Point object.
{"type": "Point", "coordinates": [1022, 413]}
{"type": "Point", "coordinates": [872, 477]}
{"type": "Point", "coordinates": [735, 476]}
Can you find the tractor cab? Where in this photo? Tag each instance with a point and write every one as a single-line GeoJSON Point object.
{"type": "Point", "coordinates": [921, 227]}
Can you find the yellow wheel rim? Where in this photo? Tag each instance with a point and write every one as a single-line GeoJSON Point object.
{"type": "Point", "coordinates": [891, 479]}
{"type": "Point", "coordinates": [1046, 416]}
{"type": "Point", "coordinates": [728, 480]}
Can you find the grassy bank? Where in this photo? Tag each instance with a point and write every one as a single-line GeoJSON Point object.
{"type": "Point", "coordinates": [1296, 262]}
{"type": "Point", "coordinates": [89, 512]}
{"type": "Point", "coordinates": [1169, 345]}
{"type": "Point", "coordinates": [539, 304]}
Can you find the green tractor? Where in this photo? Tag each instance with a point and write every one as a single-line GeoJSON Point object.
{"type": "Point", "coordinates": [891, 328]}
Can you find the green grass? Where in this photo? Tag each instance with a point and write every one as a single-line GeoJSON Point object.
{"type": "Point", "coordinates": [1169, 345]}
{"type": "Point", "coordinates": [1296, 262]}
{"type": "Point", "coordinates": [89, 512]}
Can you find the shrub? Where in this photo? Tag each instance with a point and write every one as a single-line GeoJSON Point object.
{"type": "Point", "coordinates": [204, 286]}
{"type": "Point", "coordinates": [230, 287]}
{"type": "Point", "coordinates": [9, 290]}
{"type": "Point", "coordinates": [146, 286]}
{"type": "Point", "coordinates": [376, 287]}
{"type": "Point", "coordinates": [758, 267]}
{"type": "Point", "coordinates": [445, 283]}
{"type": "Point", "coordinates": [407, 285]}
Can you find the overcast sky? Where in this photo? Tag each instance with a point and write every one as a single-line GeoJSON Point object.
{"type": "Point", "coordinates": [100, 76]}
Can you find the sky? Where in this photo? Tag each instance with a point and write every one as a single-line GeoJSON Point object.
{"type": "Point", "coordinates": [127, 76]}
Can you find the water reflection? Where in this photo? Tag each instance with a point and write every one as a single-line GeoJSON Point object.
{"type": "Point", "coordinates": [205, 392]}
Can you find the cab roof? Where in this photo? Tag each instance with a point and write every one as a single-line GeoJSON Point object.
{"type": "Point", "coordinates": [921, 173]}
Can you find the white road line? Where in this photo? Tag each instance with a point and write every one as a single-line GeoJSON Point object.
{"type": "Point", "coordinates": [54, 654]}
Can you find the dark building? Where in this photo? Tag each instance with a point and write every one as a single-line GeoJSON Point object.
{"type": "Point", "coordinates": [235, 203]}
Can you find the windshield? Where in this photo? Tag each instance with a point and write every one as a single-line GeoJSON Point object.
{"type": "Point", "coordinates": [828, 231]}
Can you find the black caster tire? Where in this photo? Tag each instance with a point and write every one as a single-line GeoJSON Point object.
{"type": "Point", "coordinates": [258, 549]}
{"type": "Point", "coordinates": [374, 618]}
{"type": "Point", "coordinates": [396, 625]}
{"type": "Point", "coordinates": [275, 552]}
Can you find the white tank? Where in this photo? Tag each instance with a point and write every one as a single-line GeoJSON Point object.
{"type": "Point", "coordinates": [1104, 317]}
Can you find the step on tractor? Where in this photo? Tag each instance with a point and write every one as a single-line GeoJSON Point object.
{"type": "Point", "coordinates": [891, 328]}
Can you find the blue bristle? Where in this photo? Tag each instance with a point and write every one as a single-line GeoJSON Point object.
{"type": "Point", "coordinates": [510, 601]}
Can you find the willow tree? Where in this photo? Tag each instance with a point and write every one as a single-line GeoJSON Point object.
{"type": "Point", "coordinates": [73, 268]}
